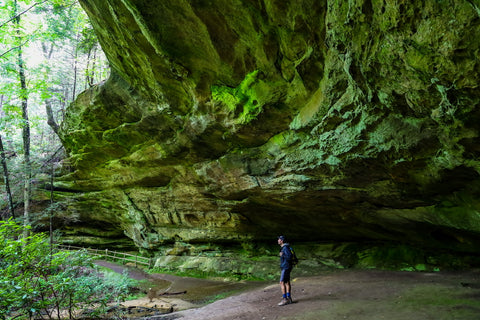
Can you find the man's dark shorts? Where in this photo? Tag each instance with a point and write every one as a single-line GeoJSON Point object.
{"type": "Point", "coordinates": [285, 275]}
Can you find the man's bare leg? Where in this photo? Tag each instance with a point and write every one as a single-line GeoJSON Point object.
{"type": "Point", "coordinates": [283, 286]}
{"type": "Point", "coordinates": [286, 287]}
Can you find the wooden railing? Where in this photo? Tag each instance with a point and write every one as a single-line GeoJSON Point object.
{"type": "Point", "coordinates": [113, 255]}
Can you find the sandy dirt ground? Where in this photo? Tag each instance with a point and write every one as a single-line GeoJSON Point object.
{"type": "Point", "coordinates": [332, 295]}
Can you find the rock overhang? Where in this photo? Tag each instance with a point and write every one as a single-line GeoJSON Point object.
{"type": "Point", "coordinates": [233, 121]}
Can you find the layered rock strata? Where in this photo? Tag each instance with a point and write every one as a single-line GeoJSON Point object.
{"type": "Point", "coordinates": [235, 121]}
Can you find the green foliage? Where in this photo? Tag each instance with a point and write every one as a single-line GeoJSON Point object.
{"type": "Point", "coordinates": [59, 49]}
{"type": "Point", "coordinates": [40, 283]}
{"type": "Point", "coordinates": [88, 40]}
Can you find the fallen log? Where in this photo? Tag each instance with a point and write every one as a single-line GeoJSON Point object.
{"type": "Point", "coordinates": [172, 293]}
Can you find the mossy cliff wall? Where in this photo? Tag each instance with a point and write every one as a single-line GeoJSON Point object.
{"type": "Point", "coordinates": [236, 121]}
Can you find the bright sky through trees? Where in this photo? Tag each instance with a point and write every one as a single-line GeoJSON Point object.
{"type": "Point", "coordinates": [61, 58]}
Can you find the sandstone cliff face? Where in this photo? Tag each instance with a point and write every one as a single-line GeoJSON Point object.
{"type": "Point", "coordinates": [236, 121]}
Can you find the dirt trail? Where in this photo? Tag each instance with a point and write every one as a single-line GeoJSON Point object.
{"type": "Point", "coordinates": [168, 289]}
{"type": "Point", "coordinates": [338, 295]}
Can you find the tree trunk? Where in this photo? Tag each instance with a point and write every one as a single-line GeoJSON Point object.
{"type": "Point", "coordinates": [25, 130]}
{"type": "Point", "coordinates": [47, 50]}
{"type": "Point", "coordinates": [94, 65]}
{"type": "Point", "coordinates": [75, 67]}
{"type": "Point", "coordinates": [50, 118]}
{"type": "Point", "coordinates": [6, 179]}
{"type": "Point", "coordinates": [88, 79]}
{"type": "Point", "coordinates": [52, 173]}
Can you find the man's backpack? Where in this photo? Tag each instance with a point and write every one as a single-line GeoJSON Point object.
{"type": "Point", "coordinates": [294, 259]}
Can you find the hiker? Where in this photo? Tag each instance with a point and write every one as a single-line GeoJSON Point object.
{"type": "Point", "coordinates": [286, 267]}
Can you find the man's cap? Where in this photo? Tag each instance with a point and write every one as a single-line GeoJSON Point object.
{"type": "Point", "coordinates": [281, 238]}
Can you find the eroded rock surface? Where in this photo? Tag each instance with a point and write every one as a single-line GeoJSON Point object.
{"type": "Point", "coordinates": [236, 121]}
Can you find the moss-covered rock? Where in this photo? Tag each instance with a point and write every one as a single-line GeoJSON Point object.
{"type": "Point", "coordinates": [235, 121]}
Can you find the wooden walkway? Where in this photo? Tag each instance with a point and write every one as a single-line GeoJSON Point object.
{"type": "Point", "coordinates": [113, 255]}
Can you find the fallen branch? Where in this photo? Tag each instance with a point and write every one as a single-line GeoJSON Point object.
{"type": "Point", "coordinates": [23, 12]}
{"type": "Point", "coordinates": [172, 293]}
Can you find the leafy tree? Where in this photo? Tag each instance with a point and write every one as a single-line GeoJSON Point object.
{"type": "Point", "coordinates": [26, 124]}
{"type": "Point", "coordinates": [36, 283]}
{"type": "Point", "coordinates": [3, 159]}
{"type": "Point", "coordinates": [57, 46]}
{"type": "Point", "coordinates": [10, 117]}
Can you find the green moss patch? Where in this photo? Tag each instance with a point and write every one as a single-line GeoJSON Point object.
{"type": "Point", "coordinates": [248, 99]}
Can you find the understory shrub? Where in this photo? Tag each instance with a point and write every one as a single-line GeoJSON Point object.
{"type": "Point", "coordinates": [38, 281]}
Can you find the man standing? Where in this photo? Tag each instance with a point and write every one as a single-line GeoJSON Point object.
{"type": "Point", "coordinates": [286, 267]}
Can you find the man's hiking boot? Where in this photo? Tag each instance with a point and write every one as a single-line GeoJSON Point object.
{"type": "Point", "coordinates": [284, 301]}
{"type": "Point", "coordinates": [290, 300]}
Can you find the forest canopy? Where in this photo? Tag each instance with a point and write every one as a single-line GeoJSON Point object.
{"type": "Point", "coordinates": [48, 55]}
